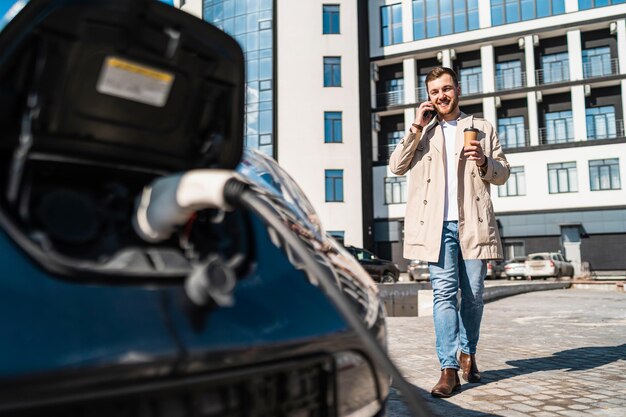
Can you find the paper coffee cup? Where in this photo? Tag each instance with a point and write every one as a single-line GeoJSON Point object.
{"type": "Point", "coordinates": [469, 134]}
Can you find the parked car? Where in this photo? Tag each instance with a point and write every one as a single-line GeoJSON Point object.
{"type": "Point", "coordinates": [515, 267]}
{"type": "Point", "coordinates": [548, 264]}
{"type": "Point", "coordinates": [116, 302]}
{"type": "Point", "coordinates": [418, 270]}
{"type": "Point", "coordinates": [381, 270]}
{"type": "Point", "coordinates": [495, 269]}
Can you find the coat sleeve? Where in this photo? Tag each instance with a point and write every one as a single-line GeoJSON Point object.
{"type": "Point", "coordinates": [498, 170]}
{"type": "Point", "coordinates": [401, 157]}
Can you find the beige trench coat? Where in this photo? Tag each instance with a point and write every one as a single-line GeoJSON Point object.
{"type": "Point", "coordinates": [423, 156]}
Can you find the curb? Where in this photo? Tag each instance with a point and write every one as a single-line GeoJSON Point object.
{"type": "Point", "coordinates": [416, 299]}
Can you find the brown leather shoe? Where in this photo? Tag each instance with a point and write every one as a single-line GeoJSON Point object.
{"type": "Point", "coordinates": [469, 368]}
{"type": "Point", "coordinates": [448, 383]}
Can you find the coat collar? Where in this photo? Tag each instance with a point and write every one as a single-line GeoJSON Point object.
{"type": "Point", "coordinates": [436, 141]}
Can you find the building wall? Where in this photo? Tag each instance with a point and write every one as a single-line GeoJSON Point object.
{"type": "Point", "coordinates": [193, 7]}
{"type": "Point", "coordinates": [302, 101]}
{"type": "Point", "coordinates": [529, 42]}
{"type": "Point", "coordinates": [603, 251]}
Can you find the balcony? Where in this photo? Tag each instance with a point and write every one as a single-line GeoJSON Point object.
{"type": "Point", "coordinates": [472, 84]}
{"type": "Point", "coordinates": [421, 94]}
{"type": "Point", "coordinates": [607, 132]}
{"type": "Point", "coordinates": [390, 98]}
{"type": "Point", "coordinates": [510, 80]}
{"type": "Point", "coordinates": [603, 68]}
{"type": "Point", "coordinates": [383, 152]}
{"type": "Point", "coordinates": [557, 72]}
{"type": "Point", "coordinates": [516, 140]}
{"type": "Point", "coordinates": [548, 136]}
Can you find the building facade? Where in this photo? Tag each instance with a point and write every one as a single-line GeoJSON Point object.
{"type": "Point", "coordinates": [303, 100]}
{"type": "Point", "coordinates": [333, 86]}
{"type": "Point", "coordinates": [550, 75]}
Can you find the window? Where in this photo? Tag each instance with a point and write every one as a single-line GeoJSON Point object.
{"type": "Point", "coordinates": [604, 174]}
{"type": "Point", "coordinates": [562, 178]}
{"type": "Point", "coordinates": [422, 94]}
{"type": "Point", "coordinates": [433, 18]}
{"type": "Point", "coordinates": [590, 4]}
{"type": "Point", "coordinates": [393, 138]}
{"type": "Point", "coordinates": [601, 122]}
{"type": "Point", "coordinates": [395, 190]}
{"type": "Point", "coordinates": [250, 23]}
{"type": "Point", "coordinates": [509, 75]}
{"type": "Point", "coordinates": [471, 80]}
{"type": "Point", "coordinates": [511, 11]}
{"type": "Point", "coordinates": [597, 62]}
{"type": "Point", "coordinates": [330, 19]}
{"type": "Point", "coordinates": [511, 132]}
{"type": "Point", "coordinates": [391, 24]}
{"type": "Point", "coordinates": [332, 71]}
{"type": "Point", "coordinates": [555, 68]}
{"type": "Point", "coordinates": [514, 250]}
{"type": "Point", "coordinates": [394, 91]}
{"type": "Point", "coordinates": [332, 127]}
{"type": "Point", "coordinates": [516, 184]}
{"type": "Point", "coordinates": [334, 185]}
{"type": "Point", "coordinates": [559, 127]}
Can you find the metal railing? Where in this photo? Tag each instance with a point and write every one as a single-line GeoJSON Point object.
{"type": "Point", "coordinates": [421, 94]}
{"type": "Point", "coordinates": [601, 69]}
{"type": "Point", "coordinates": [552, 136]}
{"type": "Point", "coordinates": [383, 152]}
{"type": "Point", "coordinates": [473, 84]}
{"type": "Point", "coordinates": [509, 143]}
{"type": "Point", "coordinates": [510, 80]}
{"type": "Point", "coordinates": [554, 74]}
{"type": "Point", "coordinates": [390, 98]}
{"type": "Point", "coordinates": [607, 133]}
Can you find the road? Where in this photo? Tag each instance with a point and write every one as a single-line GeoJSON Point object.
{"type": "Point", "coordinates": [543, 354]}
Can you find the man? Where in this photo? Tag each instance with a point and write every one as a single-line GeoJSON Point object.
{"type": "Point", "coordinates": [449, 218]}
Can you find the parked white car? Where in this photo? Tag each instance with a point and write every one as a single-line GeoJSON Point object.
{"type": "Point", "coordinates": [548, 264]}
{"type": "Point", "coordinates": [515, 267]}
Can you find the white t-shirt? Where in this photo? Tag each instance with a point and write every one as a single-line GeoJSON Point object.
{"type": "Point", "coordinates": [450, 207]}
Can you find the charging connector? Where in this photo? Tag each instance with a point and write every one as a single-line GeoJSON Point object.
{"type": "Point", "coordinates": [169, 202]}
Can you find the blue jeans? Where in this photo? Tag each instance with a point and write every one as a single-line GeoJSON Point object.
{"type": "Point", "coordinates": [456, 327]}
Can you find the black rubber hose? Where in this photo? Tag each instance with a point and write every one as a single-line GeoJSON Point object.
{"type": "Point", "coordinates": [237, 193]}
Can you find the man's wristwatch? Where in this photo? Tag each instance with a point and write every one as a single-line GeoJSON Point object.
{"type": "Point", "coordinates": [418, 127]}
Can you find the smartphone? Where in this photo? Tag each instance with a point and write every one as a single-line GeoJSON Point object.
{"type": "Point", "coordinates": [431, 113]}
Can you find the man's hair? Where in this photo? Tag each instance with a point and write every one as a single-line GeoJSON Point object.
{"type": "Point", "coordinates": [440, 71]}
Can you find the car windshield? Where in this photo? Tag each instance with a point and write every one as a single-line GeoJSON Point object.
{"type": "Point", "coordinates": [539, 257]}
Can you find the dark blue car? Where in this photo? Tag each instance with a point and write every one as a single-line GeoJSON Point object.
{"type": "Point", "coordinates": [119, 299]}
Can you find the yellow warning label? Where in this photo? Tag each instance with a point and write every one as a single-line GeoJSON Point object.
{"type": "Point", "coordinates": [131, 81]}
{"type": "Point", "coordinates": [139, 69]}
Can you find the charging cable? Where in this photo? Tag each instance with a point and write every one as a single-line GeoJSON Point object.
{"type": "Point", "coordinates": [171, 201]}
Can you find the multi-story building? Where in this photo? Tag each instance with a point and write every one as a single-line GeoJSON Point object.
{"type": "Point", "coordinates": [303, 95]}
{"type": "Point", "coordinates": [550, 75]}
{"type": "Point", "coordinates": [332, 87]}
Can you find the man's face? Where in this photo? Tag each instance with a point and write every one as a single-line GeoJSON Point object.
{"type": "Point", "coordinates": [444, 95]}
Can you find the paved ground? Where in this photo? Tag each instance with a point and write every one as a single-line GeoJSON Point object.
{"type": "Point", "coordinates": [549, 353]}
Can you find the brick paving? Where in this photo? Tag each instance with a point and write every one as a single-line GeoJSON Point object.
{"type": "Point", "coordinates": [557, 353]}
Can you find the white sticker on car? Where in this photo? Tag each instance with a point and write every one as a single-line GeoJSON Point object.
{"type": "Point", "coordinates": [131, 81]}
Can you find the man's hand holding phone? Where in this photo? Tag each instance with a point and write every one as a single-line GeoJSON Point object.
{"type": "Point", "coordinates": [423, 115]}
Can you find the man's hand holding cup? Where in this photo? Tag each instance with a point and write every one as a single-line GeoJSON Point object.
{"type": "Point", "coordinates": [471, 147]}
